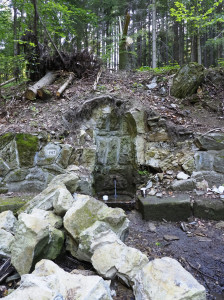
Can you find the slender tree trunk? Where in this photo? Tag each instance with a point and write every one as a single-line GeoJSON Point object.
{"type": "Point", "coordinates": [194, 48]}
{"type": "Point", "coordinates": [154, 60]}
{"type": "Point", "coordinates": [123, 55]}
{"type": "Point", "coordinates": [199, 46]}
{"type": "Point", "coordinates": [176, 42]}
{"type": "Point", "coordinates": [181, 44]}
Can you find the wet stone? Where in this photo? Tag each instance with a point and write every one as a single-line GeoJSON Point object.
{"type": "Point", "coordinates": [176, 208]}
{"type": "Point", "coordinates": [168, 237]}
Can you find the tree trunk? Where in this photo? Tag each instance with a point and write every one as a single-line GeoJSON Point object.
{"type": "Point", "coordinates": [154, 60]}
{"type": "Point", "coordinates": [123, 55]}
{"type": "Point", "coordinates": [199, 47]}
{"type": "Point", "coordinates": [44, 93]}
{"type": "Point", "coordinates": [176, 43]}
{"type": "Point", "coordinates": [64, 86]}
{"type": "Point", "coordinates": [31, 92]}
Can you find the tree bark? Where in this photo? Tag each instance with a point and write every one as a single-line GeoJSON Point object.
{"type": "Point", "coordinates": [199, 47]}
{"type": "Point", "coordinates": [154, 60]}
{"type": "Point", "coordinates": [44, 93]}
{"type": "Point", "coordinates": [123, 55]}
{"type": "Point", "coordinates": [31, 92]}
{"type": "Point", "coordinates": [64, 86]}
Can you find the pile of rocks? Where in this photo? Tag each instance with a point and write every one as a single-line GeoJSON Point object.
{"type": "Point", "coordinates": [91, 231]}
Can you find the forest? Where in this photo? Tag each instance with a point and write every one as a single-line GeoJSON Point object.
{"type": "Point", "coordinates": [36, 35]}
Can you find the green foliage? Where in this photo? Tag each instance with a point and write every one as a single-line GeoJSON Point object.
{"type": "Point", "coordinates": [143, 172]}
{"type": "Point", "coordinates": [159, 70]}
{"type": "Point", "coordinates": [199, 15]}
{"type": "Point", "coordinates": [221, 62]}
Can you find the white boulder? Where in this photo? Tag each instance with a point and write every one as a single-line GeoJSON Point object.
{"type": "Point", "coordinates": [166, 279]}
{"type": "Point", "coordinates": [48, 282]}
{"type": "Point", "coordinates": [117, 259]}
{"type": "Point", "coordinates": [7, 221]}
{"type": "Point", "coordinates": [34, 239]}
{"type": "Point", "coordinates": [6, 239]}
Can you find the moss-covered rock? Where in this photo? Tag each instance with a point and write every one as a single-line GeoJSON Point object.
{"type": "Point", "coordinates": [13, 203]}
{"type": "Point", "coordinates": [187, 80]}
{"type": "Point", "coordinates": [27, 146]}
{"type": "Point", "coordinates": [5, 139]}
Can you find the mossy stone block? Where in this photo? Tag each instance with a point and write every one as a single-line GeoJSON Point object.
{"type": "Point", "coordinates": [176, 208]}
{"type": "Point", "coordinates": [212, 209]}
{"type": "Point", "coordinates": [27, 146]}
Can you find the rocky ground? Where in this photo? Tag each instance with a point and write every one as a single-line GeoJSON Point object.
{"type": "Point", "coordinates": [197, 244]}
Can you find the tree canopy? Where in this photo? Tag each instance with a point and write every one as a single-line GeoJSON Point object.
{"type": "Point", "coordinates": [182, 31]}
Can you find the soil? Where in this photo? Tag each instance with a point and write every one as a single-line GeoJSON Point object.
{"type": "Point", "coordinates": [200, 249]}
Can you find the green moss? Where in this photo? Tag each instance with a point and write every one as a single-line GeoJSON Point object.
{"type": "Point", "coordinates": [27, 146]}
{"type": "Point", "coordinates": [5, 139]}
{"type": "Point", "coordinates": [13, 203]}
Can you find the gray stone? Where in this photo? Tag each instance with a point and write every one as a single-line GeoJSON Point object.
{"type": "Point", "coordinates": [118, 259]}
{"type": "Point", "coordinates": [219, 162]}
{"type": "Point", "coordinates": [209, 209]}
{"type": "Point", "coordinates": [44, 200]}
{"type": "Point", "coordinates": [151, 227]}
{"type": "Point", "coordinates": [4, 168]}
{"type": "Point", "coordinates": [10, 155]}
{"type": "Point", "coordinates": [169, 237]}
{"type": "Point", "coordinates": [219, 225]}
{"type": "Point", "coordinates": [93, 238]}
{"type": "Point", "coordinates": [182, 176]}
{"type": "Point", "coordinates": [48, 282]}
{"type": "Point", "coordinates": [211, 141]}
{"type": "Point", "coordinates": [34, 239]}
{"type": "Point", "coordinates": [86, 211]}
{"type": "Point", "coordinates": [183, 185]}
{"type": "Point", "coordinates": [176, 208]}
{"type": "Point", "coordinates": [166, 279]}
{"type": "Point", "coordinates": [63, 201]}
{"type": "Point", "coordinates": [70, 180]}
{"type": "Point", "coordinates": [7, 221]}
{"type": "Point", "coordinates": [187, 80]}
{"type": "Point", "coordinates": [212, 177]}
{"type": "Point", "coordinates": [48, 154]}
{"type": "Point", "coordinates": [204, 160]}
{"type": "Point", "coordinates": [6, 239]}
{"type": "Point", "coordinates": [16, 175]}
{"type": "Point", "coordinates": [64, 156]}
{"type": "Point", "coordinates": [48, 216]}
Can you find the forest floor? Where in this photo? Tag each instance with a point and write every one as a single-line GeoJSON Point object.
{"type": "Point", "coordinates": [201, 251]}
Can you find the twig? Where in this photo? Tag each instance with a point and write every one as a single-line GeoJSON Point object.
{"type": "Point", "coordinates": [214, 129]}
{"type": "Point", "coordinates": [199, 271]}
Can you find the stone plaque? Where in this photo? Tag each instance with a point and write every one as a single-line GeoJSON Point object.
{"type": "Point", "coordinates": [51, 153]}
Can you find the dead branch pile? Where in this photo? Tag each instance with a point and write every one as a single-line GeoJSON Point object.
{"type": "Point", "coordinates": [82, 64]}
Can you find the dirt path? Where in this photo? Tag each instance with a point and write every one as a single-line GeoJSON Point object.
{"type": "Point", "coordinates": [200, 250]}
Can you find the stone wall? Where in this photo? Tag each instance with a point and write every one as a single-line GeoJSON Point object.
{"type": "Point", "coordinates": [29, 162]}
{"type": "Point", "coordinates": [113, 142]}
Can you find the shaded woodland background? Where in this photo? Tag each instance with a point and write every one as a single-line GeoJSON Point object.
{"type": "Point", "coordinates": [36, 35]}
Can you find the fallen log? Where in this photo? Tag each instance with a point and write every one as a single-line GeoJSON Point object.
{"type": "Point", "coordinates": [44, 93]}
{"type": "Point", "coordinates": [64, 86]}
{"type": "Point", "coordinates": [31, 92]}
{"type": "Point", "coordinates": [8, 81]}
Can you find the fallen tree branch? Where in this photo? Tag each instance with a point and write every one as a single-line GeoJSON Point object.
{"type": "Point", "coordinates": [31, 92]}
{"type": "Point", "coordinates": [8, 81]}
{"type": "Point", "coordinates": [65, 85]}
